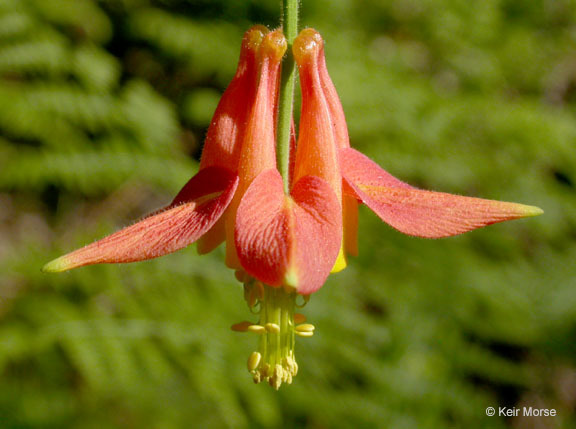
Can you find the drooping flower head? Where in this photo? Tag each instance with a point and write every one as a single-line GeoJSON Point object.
{"type": "Point", "coordinates": [284, 244]}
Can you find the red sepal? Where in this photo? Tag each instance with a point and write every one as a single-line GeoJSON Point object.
{"type": "Point", "coordinates": [193, 212]}
{"type": "Point", "coordinates": [416, 212]}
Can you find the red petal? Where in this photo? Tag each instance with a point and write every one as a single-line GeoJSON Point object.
{"type": "Point", "coordinates": [421, 213]}
{"type": "Point", "coordinates": [289, 240]}
{"type": "Point", "coordinates": [318, 226]}
{"type": "Point", "coordinates": [316, 150]}
{"type": "Point", "coordinates": [195, 210]}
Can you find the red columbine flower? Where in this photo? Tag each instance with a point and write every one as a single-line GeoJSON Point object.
{"type": "Point", "coordinates": [283, 245]}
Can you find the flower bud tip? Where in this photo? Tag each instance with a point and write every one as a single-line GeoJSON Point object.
{"type": "Point", "coordinates": [307, 45]}
{"type": "Point", "coordinates": [274, 46]}
{"type": "Point", "coordinates": [254, 36]}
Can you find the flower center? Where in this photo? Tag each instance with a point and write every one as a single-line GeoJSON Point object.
{"type": "Point", "coordinates": [277, 327]}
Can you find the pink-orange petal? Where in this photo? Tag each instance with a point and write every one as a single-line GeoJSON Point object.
{"type": "Point", "coordinates": [417, 212]}
{"type": "Point", "coordinates": [194, 211]}
{"type": "Point", "coordinates": [289, 240]}
{"type": "Point", "coordinates": [358, 168]}
{"type": "Point", "coordinates": [318, 226]}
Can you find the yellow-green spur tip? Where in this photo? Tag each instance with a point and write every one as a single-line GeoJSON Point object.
{"type": "Point", "coordinates": [532, 211]}
{"type": "Point", "coordinates": [57, 265]}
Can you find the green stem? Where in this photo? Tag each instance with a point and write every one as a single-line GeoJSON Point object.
{"type": "Point", "coordinates": [290, 25]}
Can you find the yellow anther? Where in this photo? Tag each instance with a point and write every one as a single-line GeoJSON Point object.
{"type": "Point", "coordinates": [254, 361]}
{"type": "Point", "coordinates": [278, 371]}
{"type": "Point", "coordinates": [276, 378]}
{"type": "Point", "coordinates": [258, 329]}
{"type": "Point", "coordinates": [272, 327]}
{"type": "Point", "coordinates": [306, 327]}
{"type": "Point", "coordinates": [304, 334]}
{"type": "Point", "coordinates": [299, 318]}
{"type": "Point", "coordinates": [265, 370]}
{"type": "Point", "coordinates": [241, 327]}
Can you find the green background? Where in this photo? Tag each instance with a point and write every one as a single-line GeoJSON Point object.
{"type": "Point", "coordinates": [103, 109]}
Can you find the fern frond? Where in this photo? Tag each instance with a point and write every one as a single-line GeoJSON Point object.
{"type": "Point", "coordinates": [206, 47]}
{"type": "Point", "coordinates": [89, 172]}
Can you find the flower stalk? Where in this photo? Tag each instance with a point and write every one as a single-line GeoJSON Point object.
{"type": "Point", "coordinates": [286, 101]}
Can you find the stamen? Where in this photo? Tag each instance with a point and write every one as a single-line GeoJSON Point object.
{"type": "Point", "coordinates": [272, 328]}
{"type": "Point", "coordinates": [254, 361]}
{"type": "Point", "coordinates": [277, 327]}
{"type": "Point", "coordinates": [257, 329]}
{"type": "Point", "coordinates": [306, 327]}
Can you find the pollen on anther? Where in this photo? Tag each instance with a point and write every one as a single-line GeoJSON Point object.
{"type": "Point", "coordinates": [272, 327]}
{"type": "Point", "coordinates": [254, 361]}
{"type": "Point", "coordinates": [304, 334]}
{"type": "Point", "coordinates": [257, 329]}
{"type": "Point", "coordinates": [306, 327]}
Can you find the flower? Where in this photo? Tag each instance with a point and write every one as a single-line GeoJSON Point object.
{"type": "Point", "coordinates": [284, 245]}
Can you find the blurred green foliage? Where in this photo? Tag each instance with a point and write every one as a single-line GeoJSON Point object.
{"type": "Point", "coordinates": [103, 108]}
